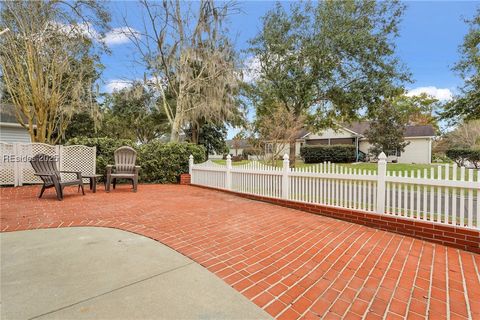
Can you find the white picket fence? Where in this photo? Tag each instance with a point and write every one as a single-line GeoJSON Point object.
{"type": "Point", "coordinates": [420, 195]}
{"type": "Point", "coordinates": [15, 168]}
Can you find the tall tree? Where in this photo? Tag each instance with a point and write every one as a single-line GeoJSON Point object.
{"type": "Point", "coordinates": [421, 109]}
{"type": "Point", "coordinates": [211, 136]}
{"type": "Point", "coordinates": [136, 109]}
{"type": "Point", "coordinates": [276, 130]}
{"type": "Point", "coordinates": [327, 61]}
{"type": "Point", "coordinates": [466, 106]}
{"type": "Point", "coordinates": [48, 62]}
{"type": "Point", "coordinates": [186, 49]}
{"type": "Point", "coordinates": [466, 135]}
{"type": "Point", "coordinates": [387, 129]}
{"type": "Point", "coordinates": [237, 141]}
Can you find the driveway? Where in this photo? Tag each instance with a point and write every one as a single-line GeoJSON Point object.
{"type": "Point", "coordinates": [100, 273]}
{"type": "Point", "coordinates": [290, 263]}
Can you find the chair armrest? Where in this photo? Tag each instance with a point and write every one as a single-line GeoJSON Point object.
{"type": "Point", "coordinates": [109, 169]}
{"type": "Point", "coordinates": [137, 168]}
{"type": "Point", "coordinates": [78, 173]}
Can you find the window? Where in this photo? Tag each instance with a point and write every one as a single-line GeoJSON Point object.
{"type": "Point", "coordinates": [393, 153]}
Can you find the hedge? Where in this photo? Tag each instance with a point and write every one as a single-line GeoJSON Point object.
{"type": "Point", "coordinates": [164, 162]}
{"type": "Point", "coordinates": [460, 156]}
{"type": "Point", "coordinates": [160, 162]}
{"type": "Point", "coordinates": [334, 153]}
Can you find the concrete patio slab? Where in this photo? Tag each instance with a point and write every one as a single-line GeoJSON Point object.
{"type": "Point", "coordinates": [102, 273]}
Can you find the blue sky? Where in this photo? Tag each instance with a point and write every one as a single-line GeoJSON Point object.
{"type": "Point", "coordinates": [430, 34]}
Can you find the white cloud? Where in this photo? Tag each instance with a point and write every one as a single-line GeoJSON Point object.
{"type": "Point", "coordinates": [117, 85]}
{"type": "Point", "coordinates": [119, 36]}
{"type": "Point", "coordinates": [438, 93]}
{"type": "Point", "coordinates": [251, 70]}
{"type": "Point", "coordinates": [114, 37]}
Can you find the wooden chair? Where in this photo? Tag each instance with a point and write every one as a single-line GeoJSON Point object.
{"type": "Point", "coordinates": [46, 168]}
{"type": "Point", "coordinates": [124, 168]}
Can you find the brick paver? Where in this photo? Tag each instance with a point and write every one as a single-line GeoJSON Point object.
{"type": "Point", "coordinates": [291, 263]}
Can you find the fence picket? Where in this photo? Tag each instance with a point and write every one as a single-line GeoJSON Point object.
{"type": "Point", "coordinates": [462, 198]}
{"type": "Point", "coordinates": [470, 200]}
{"type": "Point", "coordinates": [413, 194]}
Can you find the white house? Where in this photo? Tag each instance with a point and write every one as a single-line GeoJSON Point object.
{"type": "Point", "coordinates": [236, 148]}
{"type": "Point", "coordinates": [10, 130]}
{"type": "Point", "coordinates": [419, 149]}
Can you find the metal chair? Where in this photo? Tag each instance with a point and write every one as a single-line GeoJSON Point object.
{"type": "Point", "coordinates": [124, 168]}
{"type": "Point", "coordinates": [46, 168]}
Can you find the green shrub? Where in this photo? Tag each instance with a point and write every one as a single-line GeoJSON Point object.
{"type": "Point", "coordinates": [334, 153]}
{"type": "Point", "coordinates": [164, 162]}
{"type": "Point", "coordinates": [238, 158]}
{"type": "Point", "coordinates": [440, 158]}
{"type": "Point", "coordinates": [160, 162]}
{"type": "Point", "coordinates": [105, 149]}
{"type": "Point", "coordinates": [462, 155]}
{"type": "Point", "coordinates": [474, 158]}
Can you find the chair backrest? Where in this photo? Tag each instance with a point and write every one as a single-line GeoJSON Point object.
{"type": "Point", "coordinates": [125, 160]}
{"type": "Point", "coordinates": [43, 163]}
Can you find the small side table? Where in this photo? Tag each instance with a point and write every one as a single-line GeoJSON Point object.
{"type": "Point", "coordinates": [93, 181]}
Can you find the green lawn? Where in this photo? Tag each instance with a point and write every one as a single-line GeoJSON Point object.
{"type": "Point", "coordinates": [234, 163]}
{"type": "Point", "coordinates": [404, 167]}
{"type": "Point", "coordinates": [391, 167]}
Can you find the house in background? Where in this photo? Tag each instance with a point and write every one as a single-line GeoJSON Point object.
{"type": "Point", "coordinates": [419, 149]}
{"type": "Point", "coordinates": [10, 130]}
{"type": "Point", "coordinates": [236, 147]}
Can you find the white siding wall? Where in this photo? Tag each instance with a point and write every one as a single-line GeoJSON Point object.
{"type": "Point", "coordinates": [11, 134]}
{"type": "Point", "coordinates": [331, 134]}
{"type": "Point", "coordinates": [417, 151]}
{"type": "Point", "coordinates": [235, 152]}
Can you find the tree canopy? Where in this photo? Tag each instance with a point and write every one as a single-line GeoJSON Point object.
{"type": "Point", "coordinates": [186, 50]}
{"type": "Point", "coordinates": [326, 61]}
{"type": "Point", "coordinates": [48, 61]}
{"type": "Point", "coordinates": [466, 105]}
{"type": "Point", "coordinates": [387, 128]}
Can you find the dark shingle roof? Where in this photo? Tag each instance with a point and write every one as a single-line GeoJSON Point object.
{"type": "Point", "coordinates": [7, 113]}
{"type": "Point", "coordinates": [301, 133]}
{"type": "Point", "coordinates": [410, 131]}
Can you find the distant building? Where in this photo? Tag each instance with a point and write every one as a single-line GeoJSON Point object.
{"type": "Point", "coordinates": [10, 130]}
{"type": "Point", "coordinates": [419, 149]}
{"type": "Point", "coordinates": [236, 147]}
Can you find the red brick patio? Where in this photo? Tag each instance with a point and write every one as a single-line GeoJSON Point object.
{"type": "Point", "coordinates": [291, 263]}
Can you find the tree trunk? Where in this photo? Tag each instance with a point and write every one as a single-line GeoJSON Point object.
{"type": "Point", "coordinates": [292, 155]}
{"type": "Point", "coordinates": [195, 133]}
{"type": "Point", "coordinates": [175, 132]}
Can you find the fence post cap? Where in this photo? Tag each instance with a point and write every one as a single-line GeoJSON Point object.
{"type": "Point", "coordinates": [285, 157]}
{"type": "Point", "coordinates": [229, 157]}
{"type": "Point", "coordinates": [191, 157]}
{"type": "Point", "coordinates": [382, 156]}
